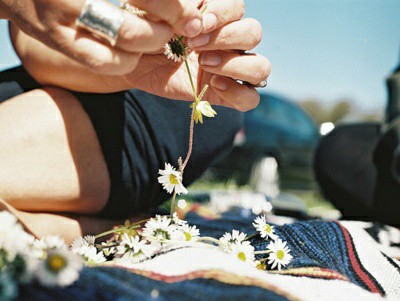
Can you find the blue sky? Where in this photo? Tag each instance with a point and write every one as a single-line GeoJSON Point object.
{"type": "Point", "coordinates": [327, 49]}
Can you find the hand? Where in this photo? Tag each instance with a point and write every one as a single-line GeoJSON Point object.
{"type": "Point", "coordinates": [53, 23]}
{"type": "Point", "coordinates": [223, 31]}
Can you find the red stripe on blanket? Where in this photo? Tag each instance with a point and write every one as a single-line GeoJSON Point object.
{"type": "Point", "coordinates": [356, 264]}
{"type": "Point", "coordinates": [215, 274]}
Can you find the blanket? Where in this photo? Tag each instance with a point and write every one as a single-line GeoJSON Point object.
{"type": "Point", "coordinates": [333, 260]}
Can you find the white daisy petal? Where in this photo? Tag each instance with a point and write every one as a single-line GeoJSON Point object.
{"type": "Point", "coordinates": [175, 50]}
{"type": "Point", "coordinates": [60, 268]}
{"type": "Point", "coordinates": [279, 255]}
{"type": "Point", "coordinates": [265, 229]}
{"type": "Point", "coordinates": [171, 180]}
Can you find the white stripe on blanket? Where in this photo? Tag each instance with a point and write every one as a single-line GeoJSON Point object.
{"type": "Point", "coordinates": [369, 252]}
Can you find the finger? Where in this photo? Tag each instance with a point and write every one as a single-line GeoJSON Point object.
{"type": "Point", "coordinates": [142, 35]}
{"type": "Point", "coordinates": [252, 68]}
{"type": "Point", "coordinates": [233, 94]}
{"type": "Point", "coordinates": [219, 13]}
{"type": "Point", "coordinates": [97, 57]}
{"type": "Point", "coordinates": [242, 35]}
{"type": "Point", "coordinates": [182, 15]}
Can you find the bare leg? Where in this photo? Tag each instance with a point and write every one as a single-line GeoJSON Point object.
{"type": "Point", "coordinates": [51, 161]}
{"type": "Point", "coordinates": [50, 158]}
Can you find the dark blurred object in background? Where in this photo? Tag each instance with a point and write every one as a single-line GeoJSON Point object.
{"type": "Point", "coordinates": [276, 136]}
{"type": "Point", "coordinates": [358, 166]}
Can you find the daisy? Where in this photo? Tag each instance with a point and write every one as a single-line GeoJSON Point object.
{"type": "Point", "coordinates": [177, 221]}
{"type": "Point", "coordinates": [92, 257]}
{"type": "Point", "coordinates": [186, 233]}
{"type": "Point", "coordinates": [60, 268]}
{"type": "Point", "coordinates": [279, 255]}
{"type": "Point", "coordinates": [203, 108]}
{"type": "Point", "coordinates": [13, 239]}
{"type": "Point", "coordinates": [175, 50]}
{"type": "Point", "coordinates": [107, 249]}
{"type": "Point", "coordinates": [265, 229]}
{"type": "Point", "coordinates": [158, 229]}
{"type": "Point", "coordinates": [228, 240]}
{"type": "Point", "coordinates": [23, 267]}
{"type": "Point", "coordinates": [81, 244]}
{"type": "Point", "coordinates": [50, 242]}
{"type": "Point", "coordinates": [243, 251]}
{"type": "Point", "coordinates": [171, 180]}
{"type": "Point", "coordinates": [133, 249]}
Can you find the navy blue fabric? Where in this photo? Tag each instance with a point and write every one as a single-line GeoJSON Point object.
{"type": "Point", "coordinates": [120, 285]}
{"type": "Point", "coordinates": [313, 243]}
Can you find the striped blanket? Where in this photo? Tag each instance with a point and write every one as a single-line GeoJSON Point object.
{"type": "Point", "coordinates": [333, 260]}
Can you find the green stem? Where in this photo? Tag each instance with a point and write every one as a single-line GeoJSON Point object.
{"type": "Point", "coordinates": [210, 239]}
{"type": "Point", "coordinates": [173, 204]}
{"type": "Point", "coordinates": [251, 236]}
{"type": "Point", "coordinates": [262, 252]}
{"type": "Point", "coordinates": [100, 247]}
{"type": "Point", "coordinates": [108, 232]}
{"type": "Point", "coordinates": [189, 243]}
{"type": "Point", "coordinates": [191, 80]}
{"type": "Point", "coordinates": [113, 231]}
{"type": "Point", "coordinates": [191, 134]}
{"type": "Point", "coordinates": [141, 222]}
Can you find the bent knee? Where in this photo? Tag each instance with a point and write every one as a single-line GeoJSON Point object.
{"type": "Point", "coordinates": [52, 153]}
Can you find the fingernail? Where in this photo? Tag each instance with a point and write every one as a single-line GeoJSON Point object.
{"type": "Point", "coordinates": [211, 59]}
{"type": "Point", "coordinates": [219, 83]}
{"type": "Point", "coordinates": [193, 27]}
{"type": "Point", "coordinates": [209, 22]}
{"type": "Point", "coordinates": [198, 41]}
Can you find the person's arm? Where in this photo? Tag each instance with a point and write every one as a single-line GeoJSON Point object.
{"type": "Point", "coordinates": [52, 68]}
{"type": "Point", "coordinates": [160, 76]}
{"type": "Point", "coordinates": [4, 11]}
{"type": "Point", "coordinates": [53, 22]}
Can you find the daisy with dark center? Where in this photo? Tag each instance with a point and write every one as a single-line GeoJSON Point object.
{"type": "Point", "coordinates": [176, 50]}
{"type": "Point", "coordinates": [158, 230]}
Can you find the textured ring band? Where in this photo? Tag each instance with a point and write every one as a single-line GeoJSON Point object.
{"type": "Point", "coordinates": [261, 84]}
{"type": "Point", "coordinates": [102, 18]}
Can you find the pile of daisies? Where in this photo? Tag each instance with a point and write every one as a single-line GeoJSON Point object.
{"type": "Point", "coordinates": [132, 243]}
{"type": "Point", "coordinates": [50, 262]}
{"type": "Point", "coordinates": [24, 259]}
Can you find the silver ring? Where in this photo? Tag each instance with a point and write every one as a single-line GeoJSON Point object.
{"type": "Point", "coordinates": [132, 9]}
{"type": "Point", "coordinates": [262, 84]}
{"type": "Point", "coordinates": [101, 18]}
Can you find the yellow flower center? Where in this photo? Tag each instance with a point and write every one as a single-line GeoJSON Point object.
{"type": "Point", "coordinates": [173, 179]}
{"type": "Point", "coordinates": [56, 263]}
{"type": "Point", "coordinates": [188, 236]}
{"type": "Point", "coordinates": [241, 256]}
{"type": "Point", "coordinates": [267, 228]}
{"type": "Point", "coordinates": [280, 254]}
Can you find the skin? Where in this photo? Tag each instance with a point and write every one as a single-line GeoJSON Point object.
{"type": "Point", "coordinates": [52, 22]}
{"type": "Point", "coordinates": [54, 137]}
{"type": "Point", "coordinates": [156, 74]}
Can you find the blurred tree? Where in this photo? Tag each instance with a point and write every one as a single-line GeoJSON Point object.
{"type": "Point", "coordinates": [334, 113]}
{"type": "Point", "coordinates": [339, 111]}
{"type": "Point", "coordinates": [314, 108]}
